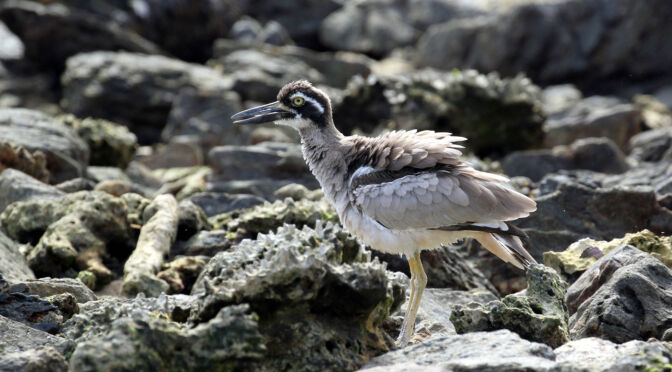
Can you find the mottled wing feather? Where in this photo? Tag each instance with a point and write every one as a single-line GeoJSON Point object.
{"type": "Point", "coordinates": [439, 192]}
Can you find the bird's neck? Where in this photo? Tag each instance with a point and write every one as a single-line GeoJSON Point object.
{"type": "Point", "coordinates": [323, 151]}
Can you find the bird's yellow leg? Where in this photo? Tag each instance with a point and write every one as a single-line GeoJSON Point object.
{"type": "Point", "coordinates": [418, 282]}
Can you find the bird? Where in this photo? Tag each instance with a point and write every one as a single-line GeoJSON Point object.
{"type": "Point", "coordinates": [401, 192]}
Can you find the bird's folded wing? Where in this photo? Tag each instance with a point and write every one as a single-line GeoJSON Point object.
{"type": "Point", "coordinates": [436, 198]}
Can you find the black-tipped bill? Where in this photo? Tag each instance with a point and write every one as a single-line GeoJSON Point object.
{"type": "Point", "coordinates": [262, 114]}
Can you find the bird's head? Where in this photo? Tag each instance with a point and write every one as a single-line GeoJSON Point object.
{"type": "Point", "coordinates": [300, 105]}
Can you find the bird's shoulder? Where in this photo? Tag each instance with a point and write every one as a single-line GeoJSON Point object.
{"type": "Point", "coordinates": [403, 151]}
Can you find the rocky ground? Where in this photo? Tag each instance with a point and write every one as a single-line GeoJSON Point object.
{"type": "Point", "coordinates": [141, 230]}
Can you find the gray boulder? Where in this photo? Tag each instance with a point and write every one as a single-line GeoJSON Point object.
{"type": "Point", "coordinates": [217, 203]}
{"type": "Point", "coordinates": [538, 314]}
{"type": "Point", "coordinates": [335, 69]}
{"type": "Point", "coordinates": [464, 103]}
{"type": "Point", "coordinates": [46, 359]}
{"type": "Point", "coordinates": [316, 288]}
{"type": "Point", "coordinates": [18, 337]}
{"type": "Point", "coordinates": [379, 26]}
{"type": "Point", "coordinates": [17, 186]}
{"type": "Point", "coordinates": [266, 160]}
{"type": "Point", "coordinates": [593, 117]}
{"type": "Point", "coordinates": [652, 145]}
{"type": "Point", "coordinates": [626, 295]}
{"type": "Point", "coordinates": [67, 155]}
{"type": "Point", "coordinates": [596, 354]}
{"type": "Point", "coordinates": [13, 265]}
{"type": "Point", "coordinates": [478, 351]}
{"type": "Point", "coordinates": [97, 84]}
{"type": "Point", "coordinates": [66, 31]}
{"type": "Point", "coordinates": [29, 310]}
{"type": "Point", "coordinates": [230, 340]}
{"type": "Point", "coordinates": [593, 41]}
{"type": "Point", "coordinates": [205, 117]}
{"type": "Point", "coordinates": [596, 154]}
{"type": "Point", "coordinates": [45, 287]}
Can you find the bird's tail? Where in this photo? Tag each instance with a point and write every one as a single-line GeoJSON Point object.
{"type": "Point", "coordinates": [507, 247]}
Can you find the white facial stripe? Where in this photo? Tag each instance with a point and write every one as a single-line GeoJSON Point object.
{"type": "Point", "coordinates": [308, 99]}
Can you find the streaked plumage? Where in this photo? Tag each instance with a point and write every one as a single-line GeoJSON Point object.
{"type": "Point", "coordinates": [404, 191]}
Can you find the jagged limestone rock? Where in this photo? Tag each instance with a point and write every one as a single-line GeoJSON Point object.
{"type": "Point", "coordinates": [110, 144]}
{"type": "Point", "coordinates": [86, 230]}
{"type": "Point", "coordinates": [269, 216]}
{"type": "Point", "coordinates": [538, 314]}
{"type": "Point", "coordinates": [578, 257]}
{"type": "Point", "coordinates": [314, 289]}
{"type": "Point", "coordinates": [182, 272]}
{"type": "Point", "coordinates": [229, 341]}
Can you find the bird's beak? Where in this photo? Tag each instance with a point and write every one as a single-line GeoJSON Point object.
{"type": "Point", "coordinates": [262, 114]}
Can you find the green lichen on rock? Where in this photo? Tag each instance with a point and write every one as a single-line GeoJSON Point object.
{"type": "Point", "coordinates": [86, 230]}
{"type": "Point", "coordinates": [227, 342]}
{"type": "Point", "coordinates": [298, 281]}
{"type": "Point", "coordinates": [579, 256]}
{"type": "Point", "coordinates": [110, 144]}
{"type": "Point", "coordinates": [269, 216]}
{"type": "Point", "coordinates": [495, 114]}
{"type": "Point", "coordinates": [537, 314]}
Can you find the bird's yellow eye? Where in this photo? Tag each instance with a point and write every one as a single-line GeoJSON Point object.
{"type": "Point", "coordinates": [298, 101]}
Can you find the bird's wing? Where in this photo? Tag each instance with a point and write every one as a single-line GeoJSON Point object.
{"type": "Point", "coordinates": [404, 191]}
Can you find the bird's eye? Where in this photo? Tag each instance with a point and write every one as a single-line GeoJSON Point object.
{"type": "Point", "coordinates": [298, 101]}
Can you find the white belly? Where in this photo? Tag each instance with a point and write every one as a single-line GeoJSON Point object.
{"type": "Point", "coordinates": [405, 242]}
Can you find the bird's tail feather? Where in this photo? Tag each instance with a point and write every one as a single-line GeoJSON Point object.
{"type": "Point", "coordinates": [507, 247]}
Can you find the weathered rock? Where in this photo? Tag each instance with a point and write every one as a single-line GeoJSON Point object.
{"type": "Point", "coordinates": [297, 192]}
{"type": "Point", "coordinates": [144, 85]}
{"type": "Point", "coordinates": [96, 318]}
{"type": "Point", "coordinates": [655, 113]}
{"type": "Point", "coordinates": [480, 351]}
{"type": "Point", "coordinates": [191, 220]}
{"type": "Point", "coordinates": [433, 319]}
{"type": "Point", "coordinates": [608, 42]}
{"type": "Point", "coordinates": [85, 230]}
{"type": "Point", "coordinates": [184, 28]}
{"type": "Point", "coordinates": [66, 31]}
{"type": "Point", "coordinates": [652, 145]}
{"type": "Point", "coordinates": [272, 160]}
{"type": "Point", "coordinates": [45, 287]}
{"type": "Point", "coordinates": [537, 315]}
{"type": "Point", "coordinates": [465, 103]}
{"type": "Point", "coordinates": [76, 184]}
{"type": "Point", "coordinates": [258, 76]}
{"type": "Point", "coordinates": [377, 27]}
{"type": "Point", "coordinates": [593, 117]}
{"type": "Point", "coordinates": [67, 155]}
{"type": "Point", "coordinates": [595, 354]}
{"type": "Point", "coordinates": [13, 265]}
{"type": "Point", "coordinates": [626, 295]}
{"type": "Point", "coordinates": [335, 69]}
{"type": "Point", "coordinates": [302, 22]}
{"type": "Point", "coordinates": [205, 243]}
{"type": "Point", "coordinates": [581, 255]}
{"type": "Point", "coordinates": [213, 204]}
{"type": "Point", "coordinates": [296, 281]}
{"type": "Point", "coordinates": [34, 165]}
{"type": "Point", "coordinates": [29, 310]}
{"type": "Point", "coordinates": [183, 181]}
{"type": "Point", "coordinates": [181, 273]}
{"type": "Point", "coordinates": [230, 340]}
{"type": "Point", "coordinates": [247, 223]}
{"type": "Point", "coordinates": [65, 303]}
{"type": "Point", "coordinates": [181, 151]}
{"type": "Point", "coordinates": [18, 337]}
{"type": "Point", "coordinates": [17, 186]}
{"type": "Point", "coordinates": [596, 154]}
{"type": "Point", "coordinates": [206, 117]}
{"type": "Point", "coordinates": [47, 359]}
{"type": "Point", "coordinates": [110, 144]}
